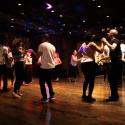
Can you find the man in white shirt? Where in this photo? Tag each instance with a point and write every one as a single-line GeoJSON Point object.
{"type": "Point", "coordinates": [46, 52]}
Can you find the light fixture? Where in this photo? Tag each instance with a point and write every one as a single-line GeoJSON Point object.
{"type": "Point", "coordinates": [52, 11]}
{"type": "Point", "coordinates": [99, 6]}
{"type": "Point", "coordinates": [19, 4]}
{"type": "Point", "coordinates": [12, 19]}
{"type": "Point", "coordinates": [83, 21]}
{"type": "Point", "coordinates": [49, 6]}
{"type": "Point", "coordinates": [60, 15]}
{"type": "Point", "coordinates": [22, 13]}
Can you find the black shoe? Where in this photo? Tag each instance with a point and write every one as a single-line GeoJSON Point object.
{"type": "Point", "coordinates": [112, 99]}
{"type": "Point", "coordinates": [84, 98]}
{"type": "Point", "coordinates": [90, 99]}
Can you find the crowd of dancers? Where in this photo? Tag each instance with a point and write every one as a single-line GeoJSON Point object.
{"type": "Point", "coordinates": [95, 50]}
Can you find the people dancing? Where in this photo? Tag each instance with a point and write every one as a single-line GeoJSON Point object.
{"type": "Point", "coordinates": [87, 52]}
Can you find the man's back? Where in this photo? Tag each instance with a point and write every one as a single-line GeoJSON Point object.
{"type": "Point", "coordinates": [48, 55]}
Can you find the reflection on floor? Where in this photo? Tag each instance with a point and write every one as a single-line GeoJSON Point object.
{"type": "Point", "coordinates": [68, 109]}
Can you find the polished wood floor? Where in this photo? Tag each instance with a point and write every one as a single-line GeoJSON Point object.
{"type": "Point", "coordinates": [68, 109]}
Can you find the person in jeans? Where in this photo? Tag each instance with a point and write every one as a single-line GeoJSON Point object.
{"type": "Point", "coordinates": [46, 52]}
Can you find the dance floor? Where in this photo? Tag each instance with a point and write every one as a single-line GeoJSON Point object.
{"type": "Point", "coordinates": [68, 109]}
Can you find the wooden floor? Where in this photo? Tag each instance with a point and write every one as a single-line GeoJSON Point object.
{"type": "Point", "coordinates": [68, 109]}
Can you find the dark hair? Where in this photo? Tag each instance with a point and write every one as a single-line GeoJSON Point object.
{"type": "Point", "coordinates": [2, 39]}
{"type": "Point", "coordinates": [96, 37]}
{"type": "Point", "coordinates": [87, 38]}
{"type": "Point", "coordinates": [46, 37]}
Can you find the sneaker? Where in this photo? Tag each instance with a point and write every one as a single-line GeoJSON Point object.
{"type": "Point", "coordinates": [44, 100]}
{"type": "Point", "coordinates": [14, 94]}
{"type": "Point", "coordinates": [52, 99]}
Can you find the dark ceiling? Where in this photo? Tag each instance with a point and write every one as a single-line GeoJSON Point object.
{"type": "Point", "coordinates": [64, 16]}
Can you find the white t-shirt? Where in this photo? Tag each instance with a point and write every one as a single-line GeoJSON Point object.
{"type": "Point", "coordinates": [28, 59]}
{"type": "Point", "coordinates": [122, 48]}
{"type": "Point", "coordinates": [47, 59]}
{"type": "Point", "coordinates": [3, 51]}
{"type": "Point", "coordinates": [123, 51]}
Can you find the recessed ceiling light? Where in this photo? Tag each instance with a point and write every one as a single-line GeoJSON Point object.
{"type": "Point", "coordinates": [12, 19]}
{"type": "Point", "coordinates": [83, 21]}
{"type": "Point", "coordinates": [19, 4]}
{"type": "Point", "coordinates": [28, 30]}
{"type": "Point", "coordinates": [64, 24]}
{"type": "Point", "coordinates": [99, 6]}
{"type": "Point", "coordinates": [52, 11]}
{"type": "Point", "coordinates": [60, 15]}
{"type": "Point", "coordinates": [11, 26]}
{"type": "Point", "coordinates": [22, 13]}
{"type": "Point", "coordinates": [107, 16]}
{"type": "Point", "coordinates": [70, 33]}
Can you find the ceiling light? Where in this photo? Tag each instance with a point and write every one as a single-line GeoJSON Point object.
{"type": "Point", "coordinates": [64, 25]}
{"type": "Point", "coordinates": [49, 6]}
{"type": "Point", "coordinates": [107, 16]}
{"type": "Point", "coordinates": [28, 30]}
{"type": "Point", "coordinates": [19, 4]}
{"type": "Point", "coordinates": [99, 6]}
{"type": "Point", "coordinates": [12, 19]}
{"type": "Point", "coordinates": [70, 33]}
{"type": "Point", "coordinates": [83, 21]}
{"type": "Point", "coordinates": [22, 13]}
{"type": "Point", "coordinates": [11, 26]}
{"type": "Point", "coordinates": [60, 15]}
{"type": "Point", "coordinates": [52, 11]}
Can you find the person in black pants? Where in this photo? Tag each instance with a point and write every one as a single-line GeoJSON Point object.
{"type": "Point", "coordinates": [115, 71]}
{"type": "Point", "coordinates": [18, 54]}
{"type": "Point", "coordinates": [46, 52]}
{"type": "Point", "coordinates": [87, 51]}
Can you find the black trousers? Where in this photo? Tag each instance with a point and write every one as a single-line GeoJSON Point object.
{"type": "Point", "coordinates": [45, 78]}
{"type": "Point", "coordinates": [3, 74]}
{"type": "Point", "coordinates": [89, 72]}
{"type": "Point", "coordinates": [73, 71]}
{"type": "Point", "coordinates": [19, 73]}
{"type": "Point", "coordinates": [28, 74]}
{"type": "Point", "coordinates": [115, 77]}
